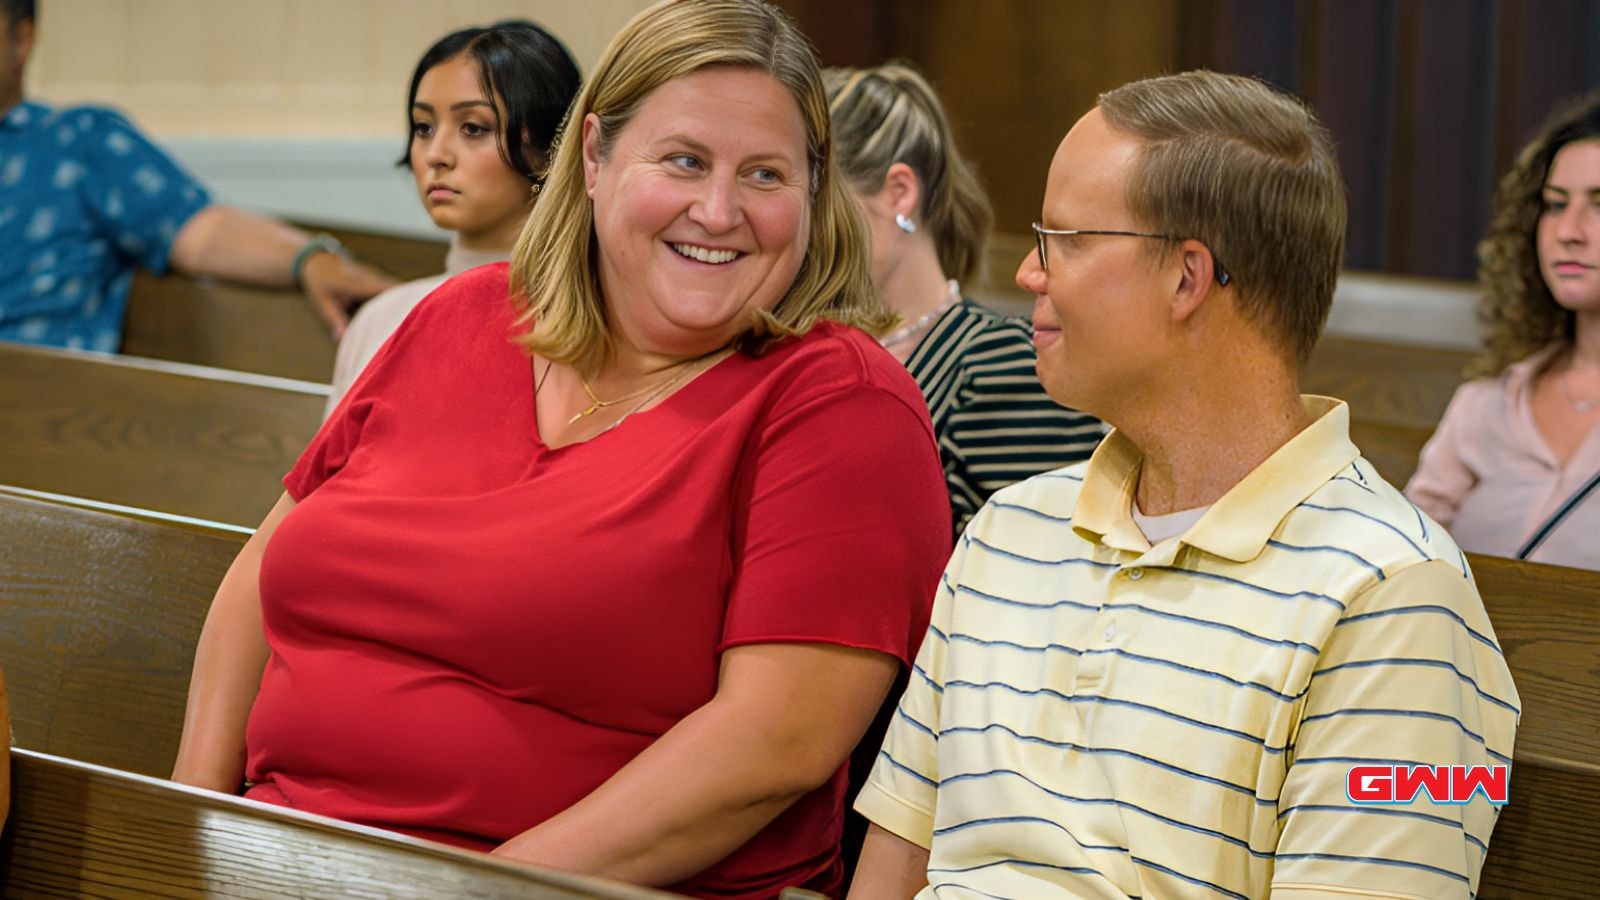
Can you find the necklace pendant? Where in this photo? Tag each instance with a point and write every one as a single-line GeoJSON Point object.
{"type": "Point", "coordinates": [593, 408]}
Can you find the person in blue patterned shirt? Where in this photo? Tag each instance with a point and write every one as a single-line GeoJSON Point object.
{"type": "Point", "coordinates": [86, 200]}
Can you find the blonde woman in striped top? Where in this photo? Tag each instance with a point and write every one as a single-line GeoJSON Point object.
{"type": "Point", "coordinates": [929, 221]}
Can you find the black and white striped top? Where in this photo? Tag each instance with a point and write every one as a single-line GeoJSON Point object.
{"type": "Point", "coordinates": [995, 424]}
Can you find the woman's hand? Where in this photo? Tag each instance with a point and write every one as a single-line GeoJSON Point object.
{"type": "Point", "coordinates": [783, 720]}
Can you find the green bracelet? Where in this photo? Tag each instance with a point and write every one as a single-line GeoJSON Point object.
{"type": "Point", "coordinates": [322, 243]}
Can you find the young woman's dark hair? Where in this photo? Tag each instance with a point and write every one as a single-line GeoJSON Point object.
{"type": "Point", "coordinates": [528, 73]}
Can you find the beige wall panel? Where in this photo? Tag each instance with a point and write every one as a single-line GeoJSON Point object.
{"type": "Point", "coordinates": [167, 46]}
{"type": "Point", "coordinates": [327, 51]}
{"type": "Point", "coordinates": [95, 57]}
{"type": "Point", "coordinates": [315, 68]}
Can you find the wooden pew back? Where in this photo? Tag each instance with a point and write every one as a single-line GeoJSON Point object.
{"type": "Point", "coordinates": [247, 329]}
{"type": "Point", "coordinates": [181, 439]}
{"type": "Point", "coordinates": [406, 258]}
{"type": "Point", "coordinates": [79, 830]}
{"type": "Point", "coordinates": [5, 755]}
{"type": "Point", "coordinates": [1407, 385]}
{"type": "Point", "coordinates": [227, 326]}
{"type": "Point", "coordinates": [1547, 841]}
{"type": "Point", "coordinates": [1397, 394]}
{"type": "Point", "coordinates": [102, 612]}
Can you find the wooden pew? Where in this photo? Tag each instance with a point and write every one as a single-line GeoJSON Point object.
{"type": "Point", "coordinates": [406, 258]}
{"type": "Point", "coordinates": [81, 830]}
{"type": "Point", "coordinates": [1392, 449]}
{"type": "Point", "coordinates": [5, 755]}
{"type": "Point", "coordinates": [102, 610]}
{"type": "Point", "coordinates": [247, 329]}
{"type": "Point", "coordinates": [183, 439]}
{"type": "Point", "coordinates": [227, 326]}
{"type": "Point", "coordinates": [1407, 385]}
{"type": "Point", "coordinates": [100, 647]}
{"type": "Point", "coordinates": [1397, 394]}
{"type": "Point", "coordinates": [1547, 841]}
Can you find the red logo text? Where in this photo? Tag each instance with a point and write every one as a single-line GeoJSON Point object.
{"type": "Point", "coordinates": [1440, 784]}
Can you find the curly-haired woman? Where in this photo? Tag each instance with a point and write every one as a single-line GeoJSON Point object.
{"type": "Point", "coordinates": [1514, 469]}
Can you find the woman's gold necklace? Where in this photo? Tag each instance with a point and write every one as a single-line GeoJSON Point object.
{"type": "Point", "coordinates": [596, 404]}
{"type": "Point", "coordinates": [648, 393]}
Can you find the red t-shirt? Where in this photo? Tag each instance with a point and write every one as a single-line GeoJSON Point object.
{"type": "Point", "coordinates": [471, 631]}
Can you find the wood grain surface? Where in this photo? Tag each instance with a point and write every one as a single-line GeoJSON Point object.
{"type": "Point", "coordinates": [227, 326]}
{"type": "Point", "coordinates": [98, 625]}
{"type": "Point", "coordinates": [83, 831]}
{"type": "Point", "coordinates": [405, 258]}
{"type": "Point", "coordinates": [5, 755]}
{"type": "Point", "coordinates": [1548, 621]}
{"type": "Point", "coordinates": [1388, 384]}
{"type": "Point", "coordinates": [1547, 842]}
{"type": "Point", "coordinates": [1392, 449]}
{"type": "Point", "coordinates": [182, 439]}
{"type": "Point", "coordinates": [250, 329]}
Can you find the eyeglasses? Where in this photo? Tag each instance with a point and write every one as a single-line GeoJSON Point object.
{"type": "Point", "coordinates": [1039, 232]}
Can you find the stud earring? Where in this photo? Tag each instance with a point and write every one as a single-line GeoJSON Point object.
{"type": "Point", "coordinates": [905, 223]}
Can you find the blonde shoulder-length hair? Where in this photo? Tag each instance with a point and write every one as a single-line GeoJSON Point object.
{"type": "Point", "coordinates": [554, 271]}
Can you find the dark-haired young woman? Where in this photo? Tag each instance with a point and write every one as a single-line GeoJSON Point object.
{"type": "Point", "coordinates": [484, 108]}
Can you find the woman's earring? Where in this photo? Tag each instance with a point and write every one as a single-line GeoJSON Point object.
{"type": "Point", "coordinates": [905, 223]}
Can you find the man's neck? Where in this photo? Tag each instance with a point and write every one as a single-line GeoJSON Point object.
{"type": "Point", "coordinates": [9, 102]}
{"type": "Point", "coordinates": [1209, 434]}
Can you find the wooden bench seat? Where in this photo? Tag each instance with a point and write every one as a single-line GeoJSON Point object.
{"type": "Point", "coordinates": [182, 439]}
{"type": "Point", "coordinates": [102, 609]}
{"type": "Point", "coordinates": [1547, 842]}
{"type": "Point", "coordinates": [78, 830]}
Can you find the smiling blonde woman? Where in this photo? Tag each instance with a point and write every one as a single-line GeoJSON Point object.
{"type": "Point", "coordinates": [613, 577]}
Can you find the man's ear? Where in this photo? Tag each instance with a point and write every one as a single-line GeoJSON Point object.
{"type": "Point", "coordinates": [1196, 279]}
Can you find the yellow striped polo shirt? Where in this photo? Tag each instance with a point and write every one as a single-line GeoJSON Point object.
{"type": "Point", "coordinates": [1091, 716]}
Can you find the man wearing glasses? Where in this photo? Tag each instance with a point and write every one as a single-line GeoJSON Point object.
{"type": "Point", "coordinates": [1150, 675]}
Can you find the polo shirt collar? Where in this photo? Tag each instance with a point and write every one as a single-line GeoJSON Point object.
{"type": "Point", "coordinates": [1238, 525]}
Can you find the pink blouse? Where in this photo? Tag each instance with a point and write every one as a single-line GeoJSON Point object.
{"type": "Point", "coordinates": [1488, 476]}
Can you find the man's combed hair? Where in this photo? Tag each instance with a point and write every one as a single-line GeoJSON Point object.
{"type": "Point", "coordinates": [890, 114]}
{"type": "Point", "coordinates": [19, 11]}
{"type": "Point", "coordinates": [1250, 172]}
{"type": "Point", "coordinates": [1519, 314]}
{"type": "Point", "coordinates": [554, 268]}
